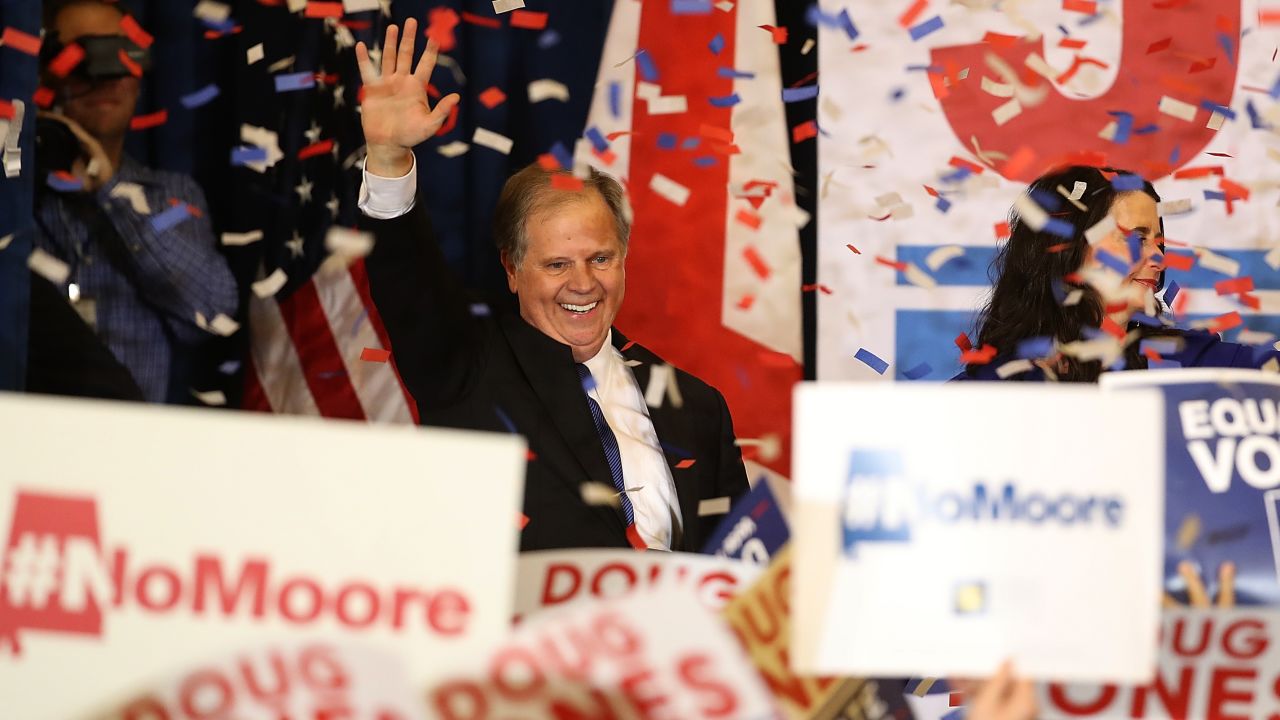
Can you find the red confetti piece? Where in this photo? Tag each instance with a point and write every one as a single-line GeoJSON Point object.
{"type": "Point", "coordinates": [899, 266]}
{"type": "Point", "coordinates": [979, 357]}
{"type": "Point", "coordinates": [1159, 46]}
{"type": "Point", "coordinates": [804, 131]}
{"type": "Point", "coordinates": [628, 345]}
{"type": "Point", "coordinates": [1250, 301]}
{"type": "Point", "coordinates": [1000, 40]}
{"type": "Point", "coordinates": [314, 149]}
{"type": "Point", "coordinates": [130, 27]}
{"type": "Point", "coordinates": [1269, 17]}
{"type": "Point", "coordinates": [1226, 321]}
{"type": "Point", "coordinates": [1198, 172]}
{"type": "Point", "coordinates": [1058, 248]}
{"type": "Point", "coordinates": [548, 162]}
{"type": "Point", "coordinates": [1002, 230]}
{"type": "Point", "coordinates": [1112, 328]}
{"type": "Point", "coordinates": [146, 122]}
{"type": "Point", "coordinates": [1234, 190]}
{"type": "Point", "coordinates": [7, 110]}
{"type": "Point", "coordinates": [43, 97]}
{"type": "Point", "coordinates": [685, 464]}
{"type": "Point", "coordinates": [1152, 355]}
{"type": "Point", "coordinates": [480, 20]}
{"type": "Point", "coordinates": [959, 162]}
{"type": "Point", "coordinates": [134, 68]}
{"type": "Point", "coordinates": [377, 355]}
{"type": "Point", "coordinates": [748, 218]}
{"type": "Point", "coordinates": [440, 25]}
{"type": "Point", "coordinates": [522, 521]}
{"type": "Point", "coordinates": [449, 124]}
{"type": "Point", "coordinates": [955, 699]}
{"type": "Point", "coordinates": [21, 41]}
{"type": "Point", "coordinates": [528, 20]}
{"type": "Point", "coordinates": [1087, 7]}
{"type": "Point", "coordinates": [67, 60]}
{"type": "Point", "coordinates": [779, 33]}
{"type": "Point", "coordinates": [1072, 43]}
{"type": "Point", "coordinates": [855, 250]}
{"type": "Point", "coordinates": [816, 286]}
{"type": "Point", "coordinates": [562, 181]}
{"type": "Point", "coordinates": [317, 9]}
{"type": "Point", "coordinates": [492, 98]}
{"type": "Point", "coordinates": [756, 262]}
{"type": "Point", "coordinates": [1175, 261]}
{"type": "Point", "coordinates": [746, 301]}
{"type": "Point", "coordinates": [1232, 286]}
{"type": "Point", "coordinates": [606, 156]}
{"type": "Point", "coordinates": [1225, 25]}
{"type": "Point", "coordinates": [724, 135]}
{"type": "Point", "coordinates": [962, 342]}
{"type": "Point", "coordinates": [908, 18]}
{"type": "Point", "coordinates": [633, 537]}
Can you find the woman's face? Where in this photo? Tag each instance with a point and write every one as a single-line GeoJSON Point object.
{"type": "Point", "coordinates": [1134, 212]}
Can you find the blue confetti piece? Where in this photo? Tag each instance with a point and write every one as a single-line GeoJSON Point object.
{"type": "Point", "coordinates": [725, 101]}
{"type": "Point", "coordinates": [1035, 347]}
{"type": "Point", "coordinates": [1134, 240]}
{"type": "Point", "coordinates": [846, 22]}
{"type": "Point", "coordinates": [956, 714]}
{"type": "Point", "coordinates": [1275, 89]}
{"type": "Point", "coordinates": [705, 161]}
{"type": "Point", "coordinates": [870, 359]}
{"type": "Point", "coordinates": [245, 154]}
{"type": "Point", "coordinates": [1220, 109]}
{"type": "Point", "coordinates": [716, 44]}
{"type": "Point", "coordinates": [588, 383]}
{"type": "Point", "coordinates": [1163, 346]}
{"type": "Point", "coordinates": [1059, 292]}
{"type": "Point", "coordinates": [943, 204]}
{"type": "Point", "coordinates": [667, 141]}
{"type": "Point", "coordinates": [1175, 155]}
{"type": "Point", "coordinates": [359, 323]}
{"type": "Point", "coordinates": [1124, 126]}
{"type": "Point", "coordinates": [1147, 129]}
{"type": "Point", "coordinates": [691, 143]}
{"type": "Point", "coordinates": [728, 72]}
{"type": "Point", "coordinates": [1126, 183]}
{"type": "Point", "coordinates": [597, 141]}
{"type": "Point", "coordinates": [897, 94]}
{"type": "Point", "coordinates": [648, 70]}
{"type": "Point", "coordinates": [562, 155]}
{"type": "Point", "coordinates": [1228, 46]}
{"type": "Point", "coordinates": [958, 175]}
{"type": "Point", "coordinates": [203, 96]}
{"type": "Point", "coordinates": [615, 99]}
{"type": "Point", "coordinates": [1215, 195]}
{"type": "Point", "coordinates": [1112, 261]}
{"type": "Point", "coordinates": [935, 69]}
{"type": "Point", "coordinates": [480, 310]}
{"type": "Point", "coordinates": [807, 92]}
{"type": "Point", "coordinates": [1163, 364]}
{"type": "Point", "coordinates": [170, 218]}
{"type": "Point", "coordinates": [295, 81]}
{"type": "Point", "coordinates": [506, 421]}
{"type": "Point", "coordinates": [1255, 118]}
{"type": "Point", "coordinates": [1059, 227]}
{"type": "Point", "coordinates": [548, 39]}
{"type": "Point", "coordinates": [1063, 29]}
{"type": "Point", "coordinates": [229, 367]}
{"type": "Point", "coordinates": [1171, 291]}
{"type": "Point", "coordinates": [1048, 201]}
{"type": "Point", "coordinates": [815, 17]}
{"type": "Point", "coordinates": [62, 184]}
{"type": "Point", "coordinates": [222, 26]}
{"type": "Point", "coordinates": [933, 24]}
{"type": "Point", "coordinates": [690, 7]}
{"type": "Point", "coordinates": [917, 372]}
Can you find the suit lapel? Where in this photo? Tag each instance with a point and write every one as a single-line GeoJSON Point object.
{"type": "Point", "coordinates": [549, 369]}
{"type": "Point", "coordinates": [674, 434]}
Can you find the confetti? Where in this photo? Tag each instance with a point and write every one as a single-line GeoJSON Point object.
{"type": "Point", "coordinates": [271, 284]}
{"type": "Point", "coordinates": [1234, 285]}
{"type": "Point", "coordinates": [48, 266]}
{"type": "Point", "coordinates": [1006, 111]}
{"type": "Point", "coordinates": [756, 261]}
{"type": "Point", "coordinates": [212, 398]}
{"type": "Point", "coordinates": [492, 98]}
{"type": "Point", "coordinates": [547, 89]}
{"type": "Point", "coordinates": [669, 189]}
{"type": "Point", "coordinates": [317, 9]}
{"type": "Point", "coordinates": [1272, 258]}
{"type": "Point", "coordinates": [492, 140]}
{"type": "Point", "coordinates": [355, 6]}
{"type": "Point", "coordinates": [1174, 207]}
{"type": "Point", "coordinates": [685, 464]}
{"type": "Point", "coordinates": [919, 371]}
{"type": "Point", "coordinates": [503, 6]}
{"type": "Point", "coordinates": [377, 355]}
{"type": "Point", "coordinates": [248, 155]}
{"type": "Point", "coordinates": [931, 25]}
{"type": "Point", "coordinates": [598, 493]}
{"type": "Point", "coordinates": [1014, 367]}
{"type": "Point", "coordinates": [1177, 108]}
{"type": "Point", "coordinates": [713, 506]}
{"type": "Point", "coordinates": [806, 92]}
{"type": "Point", "coordinates": [214, 12]}
{"type": "Point", "coordinates": [1217, 263]}
{"type": "Point", "coordinates": [203, 96]}
{"type": "Point", "coordinates": [234, 239]}
{"type": "Point", "coordinates": [453, 149]}
{"type": "Point", "coordinates": [170, 218]}
{"type": "Point", "coordinates": [25, 43]}
{"type": "Point", "coordinates": [348, 243]}
{"type": "Point", "coordinates": [295, 81]}
{"type": "Point", "coordinates": [872, 361]}
{"type": "Point", "coordinates": [942, 256]}
{"type": "Point", "coordinates": [134, 193]}
{"type": "Point", "coordinates": [66, 61]}
{"type": "Point", "coordinates": [716, 44]}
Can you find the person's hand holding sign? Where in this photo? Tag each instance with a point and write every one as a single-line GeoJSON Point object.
{"type": "Point", "coordinates": [396, 113]}
{"type": "Point", "coordinates": [1197, 595]}
{"type": "Point", "coordinates": [1003, 697]}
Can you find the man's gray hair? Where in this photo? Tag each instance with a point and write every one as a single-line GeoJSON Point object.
{"type": "Point", "coordinates": [531, 190]}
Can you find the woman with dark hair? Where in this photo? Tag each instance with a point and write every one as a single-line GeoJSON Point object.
{"type": "Point", "coordinates": [1075, 285]}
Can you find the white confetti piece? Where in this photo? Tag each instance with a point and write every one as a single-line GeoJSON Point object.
{"type": "Point", "coordinates": [713, 506]}
{"type": "Point", "coordinates": [668, 105]}
{"type": "Point", "coordinates": [297, 5]}
{"type": "Point", "coordinates": [1272, 258]}
{"type": "Point", "coordinates": [1109, 132]}
{"type": "Point", "coordinates": [1006, 112]}
{"type": "Point", "coordinates": [1177, 108]}
{"type": "Point", "coordinates": [1255, 337]}
{"type": "Point", "coordinates": [647, 90]}
{"type": "Point", "coordinates": [1013, 367]}
{"type": "Point", "coordinates": [1217, 263]}
{"type": "Point", "coordinates": [808, 45]}
{"type": "Point", "coordinates": [1174, 207]}
{"type": "Point", "coordinates": [1216, 121]}
{"type": "Point", "coordinates": [918, 277]}
{"type": "Point", "coordinates": [355, 6]}
{"type": "Point", "coordinates": [213, 398]}
{"type": "Point", "coordinates": [214, 12]}
{"type": "Point", "coordinates": [221, 324]}
{"type": "Point", "coordinates": [1271, 365]}
{"type": "Point", "coordinates": [546, 89]}
{"type": "Point", "coordinates": [942, 256]}
{"type": "Point", "coordinates": [1073, 200]}
{"type": "Point", "coordinates": [4, 241]}
{"type": "Point", "coordinates": [267, 140]}
{"type": "Point", "coordinates": [1031, 213]}
{"type": "Point", "coordinates": [283, 64]}
{"type": "Point", "coordinates": [134, 193]}
{"type": "Point", "coordinates": [492, 140]}
{"type": "Point", "coordinates": [669, 189]}
{"type": "Point", "coordinates": [659, 376]}
{"type": "Point", "coordinates": [48, 266]}
{"type": "Point", "coordinates": [235, 239]}
{"type": "Point", "coordinates": [271, 284]}
{"type": "Point", "coordinates": [1077, 190]}
{"type": "Point", "coordinates": [502, 6]}
{"type": "Point", "coordinates": [724, 6]}
{"type": "Point", "coordinates": [997, 89]}
{"type": "Point", "coordinates": [597, 493]}
{"type": "Point", "coordinates": [1073, 298]}
{"type": "Point", "coordinates": [254, 54]}
{"type": "Point", "coordinates": [1100, 230]}
{"type": "Point", "coordinates": [453, 149]}
{"type": "Point", "coordinates": [348, 243]}
{"type": "Point", "coordinates": [889, 199]}
{"type": "Point", "coordinates": [1041, 67]}
{"type": "Point", "coordinates": [904, 211]}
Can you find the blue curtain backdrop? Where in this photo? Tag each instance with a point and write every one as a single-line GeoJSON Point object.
{"type": "Point", "coordinates": [189, 54]}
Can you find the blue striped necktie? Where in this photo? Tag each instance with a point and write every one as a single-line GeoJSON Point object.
{"type": "Point", "coordinates": [609, 442]}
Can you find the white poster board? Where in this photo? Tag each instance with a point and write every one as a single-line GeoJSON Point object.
{"type": "Point", "coordinates": [139, 540]}
{"type": "Point", "coordinates": [941, 530]}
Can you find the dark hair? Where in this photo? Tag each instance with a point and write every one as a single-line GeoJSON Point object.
{"type": "Point", "coordinates": [1030, 270]}
{"type": "Point", "coordinates": [54, 8]}
{"type": "Point", "coordinates": [531, 190]}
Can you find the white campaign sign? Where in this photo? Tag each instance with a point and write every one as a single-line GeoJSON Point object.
{"type": "Point", "coordinates": [140, 540]}
{"type": "Point", "coordinates": [547, 578]}
{"type": "Point", "coordinates": [941, 530]}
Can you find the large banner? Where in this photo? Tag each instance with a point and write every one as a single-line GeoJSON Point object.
{"type": "Point", "coordinates": [935, 116]}
{"type": "Point", "coordinates": [1222, 459]}
{"type": "Point", "coordinates": [926, 543]}
{"type": "Point", "coordinates": [139, 540]}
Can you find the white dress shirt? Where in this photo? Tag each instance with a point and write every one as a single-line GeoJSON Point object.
{"type": "Point", "coordinates": [650, 487]}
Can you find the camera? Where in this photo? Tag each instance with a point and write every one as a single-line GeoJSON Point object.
{"type": "Point", "coordinates": [101, 56]}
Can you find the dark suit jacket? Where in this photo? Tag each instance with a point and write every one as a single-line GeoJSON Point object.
{"type": "Point", "coordinates": [483, 368]}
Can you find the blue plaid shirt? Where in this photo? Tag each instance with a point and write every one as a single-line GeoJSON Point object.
{"type": "Point", "coordinates": [146, 300]}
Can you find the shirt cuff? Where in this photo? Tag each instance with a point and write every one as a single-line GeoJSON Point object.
{"type": "Point", "coordinates": [385, 198]}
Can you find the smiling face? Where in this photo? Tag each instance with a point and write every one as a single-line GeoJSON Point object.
{"type": "Point", "coordinates": [103, 108]}
{"type": "Point", "coordinates": [1134, 212]}
{"type": "Point", "coordinates": [572, 278]}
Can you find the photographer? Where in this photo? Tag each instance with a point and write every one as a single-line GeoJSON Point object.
{"type": "Point", "coordinates": [138, 277]}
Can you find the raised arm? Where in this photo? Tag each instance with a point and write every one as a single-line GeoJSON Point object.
{"type": "Point", "coordinates": [435, 339]}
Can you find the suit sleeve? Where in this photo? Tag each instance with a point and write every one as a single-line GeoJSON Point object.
{"type": "Point", "coordinates": [436, 341]}
{"type": "Point", "coordinates": [732, 475]}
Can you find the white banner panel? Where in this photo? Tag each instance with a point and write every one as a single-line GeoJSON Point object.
{"type": "Point", "coordinates": [940, 531]}
{"type": "Point", "coordinates": [972, 100]}
{"type": "Point", "coordinates": [139, 540]}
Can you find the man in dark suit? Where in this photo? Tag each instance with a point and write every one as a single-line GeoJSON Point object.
{"type": "Point", "coordinates": [606, 468]}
